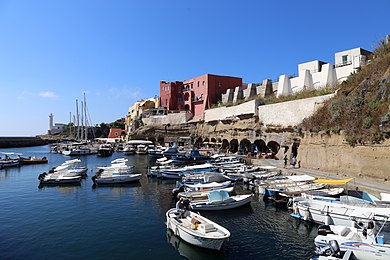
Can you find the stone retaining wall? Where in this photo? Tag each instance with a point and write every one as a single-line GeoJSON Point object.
{"type": "Point", "coordinates": [7, 142]}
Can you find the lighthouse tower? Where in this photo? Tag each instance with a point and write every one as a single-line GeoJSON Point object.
{"type": "Point", "coordinates": [51, 124]}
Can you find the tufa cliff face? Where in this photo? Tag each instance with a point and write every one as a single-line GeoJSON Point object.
{"type": "Point", "coordinates": [333, 153]}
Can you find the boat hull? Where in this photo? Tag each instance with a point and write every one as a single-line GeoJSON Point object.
{"type": "Point", "coordinates": [237, 201]}
{"type": "Point", "coordinates": [193, 237]}
{"type": "Point", "coordinates": [118, 179]}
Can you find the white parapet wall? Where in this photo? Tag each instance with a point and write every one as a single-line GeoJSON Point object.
{"type": "Point", "coordinates": [221, 113]}
{"type": "Point", "coordinates": [173, 119]}
{"type": "Point", "coordinates": [290, 113]}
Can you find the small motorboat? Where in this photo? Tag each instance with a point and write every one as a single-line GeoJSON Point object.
{"type": "Point", "coordinates": [31, 160]}
{"type": "Point", "coordinates": [220, 200]}
{"type": "Point", "coordinates": [105, 150]}
{"type": "Point", "coordinates": [7, 161]}
{"type": "Point", "coordinates": [58, 178]}
{"type": "Point", "coordinates": [117, 173]}
{"type": "Point", "coordinates": [196, 229]}
{"type": "Point", "coordinates": [208, 186]}
{"type": "Point", "coordinates": [364, 242]}
{"type": "Point", "coordinates": [73, 168]}
{"type": "Point", "coordinates": [199, 195]}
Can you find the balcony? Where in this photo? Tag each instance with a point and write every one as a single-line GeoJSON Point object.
{"type": "Point", "coordinates": [197, 99]}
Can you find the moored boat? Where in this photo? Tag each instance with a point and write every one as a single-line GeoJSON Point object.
{"type": "Point", "coordinates": [117, 173]}
{"type": "Point", "coordinates": [31, 160]}
{"type": "Point", "coordinates": [196, 229]}
{"type": "Point", "coordinates": [365, 243]}
{"type": "Point", "coordinates": [58, 178]}
{"type": "Point", "coordinates": [221, 200]}
{"type": "Point", "coordinates": [199, 195]}
{"type": "Point", "coordinates": [105, 150]}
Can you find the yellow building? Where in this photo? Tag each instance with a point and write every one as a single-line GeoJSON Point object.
{"type": "Point", "coordinates": [134, 113]}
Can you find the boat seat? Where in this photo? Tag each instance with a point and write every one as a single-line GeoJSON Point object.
{"type": "Point", "coordinates": [206, 228]}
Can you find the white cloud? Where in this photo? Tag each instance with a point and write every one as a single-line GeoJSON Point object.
{"type": "Point", "coordinates": [47, 94]}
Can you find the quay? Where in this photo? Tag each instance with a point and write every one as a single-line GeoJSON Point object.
{"type": "Point", "coordinates": [9, 142]}
{"type": "Point", "coordinates": [361, 183]}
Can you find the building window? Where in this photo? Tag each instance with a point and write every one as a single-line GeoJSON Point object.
{"type": "Point", "coordinates": [192, 85]}
{"type": "Point", "coordinates": [344, 59]}
{"type": "Point", "coordinates": [166, 102]}
{"type": "Point", "coordinates": [203, 83]}
{"type": "Point", "coordinates": [198, 83]}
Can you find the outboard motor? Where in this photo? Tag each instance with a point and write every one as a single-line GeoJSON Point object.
{"type": "Point", "coordinates": [323, 230]}
{"type": "Point", "coordinates": [179, 188]}
{"type": "Point", "coordinates": [334, 247]}
{"type": "Point", "coordinates": [41, 176]}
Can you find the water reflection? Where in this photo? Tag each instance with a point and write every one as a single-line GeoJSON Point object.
{"type": "Point", "coordinates": [63, 188]}
{"type": "Point", "coordinates": [192, 252]}
{"type": "Point", "coordinates": [116, 186]}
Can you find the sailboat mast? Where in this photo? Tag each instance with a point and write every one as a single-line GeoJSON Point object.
{"type": "Point", "coordinates": [78, 120]}
{"type": "Point", "coordinates": [85, 118]}
{"type": "Point", "coordinates": [82, 121]}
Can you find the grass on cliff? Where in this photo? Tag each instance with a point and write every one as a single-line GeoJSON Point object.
{"type": "Point", "coordinates": [361, 107]}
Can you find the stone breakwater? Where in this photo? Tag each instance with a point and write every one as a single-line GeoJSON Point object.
{"type": "Point", "coordinates": [9, 142]}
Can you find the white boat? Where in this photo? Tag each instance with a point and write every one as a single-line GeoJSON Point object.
{"type": "Point", "coordinates": [73, 168]}
{"type": "Point", "coordinates": [82, 150]}
{"type": "Point", "coordinates": [117, 173]}
{"type": "Point", "coordinates": [58, 178]}
{"type": "Point", "coordinates": [199, 195]}
{"type": "Point", "coordinates": [208, 186]}
{"type": "Point", "coordinates": [129, 149]}
{"type": "Point", "coordinates": [346, 211]}
{"type": "Point", "coordinates": [283, 182]}
{"type": "Point", "coordinates": [196, 229]}
{"type": "Point", "coordinates": [7, 161]}
{"type": "Point", "coordinates": [141, 149]}
{"type": "Point", "coordinates": [221, 200]}
{"type": "Point", "coordinates": [176, 173]}
{"type": "Point", "coordinates": [364, 243]}
{"type": "Point", "coordinates": [205, 177]}
{"type": "Point", "coordinates": [105, 150]}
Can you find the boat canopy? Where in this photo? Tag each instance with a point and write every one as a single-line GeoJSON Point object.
{"type": "Point", "coordinates": [333, 182]}
{"type": "Point", "coordinates": [137, 142]}
{"type": "Point", "coordinates": [299, 178]}
{"type": "Point", "coordinates": [218, 195]}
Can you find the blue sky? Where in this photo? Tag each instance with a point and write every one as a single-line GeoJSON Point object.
{"type": "Point", "coordinates": [51, 52]}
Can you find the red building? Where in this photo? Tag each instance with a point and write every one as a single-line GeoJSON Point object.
{"type": "Point", "coordinates": [197, 94]}
{"type": "Point", "coordinates": [171, 95]}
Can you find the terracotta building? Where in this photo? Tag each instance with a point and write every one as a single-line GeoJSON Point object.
{"type": "Point", "coordinates": [196, 94]}
{"type": "Point", "coordinates": [171, 95]}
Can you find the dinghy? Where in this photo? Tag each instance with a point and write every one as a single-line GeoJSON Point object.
{"type": "Point", "coordinates": [196, 229]}
{"type": "Point", "coordinates": [220, 200]}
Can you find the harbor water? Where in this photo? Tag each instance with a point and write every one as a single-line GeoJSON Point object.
{"type": "Point", "coordinates": [128, 221]}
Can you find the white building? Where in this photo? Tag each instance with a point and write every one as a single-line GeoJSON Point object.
{"type": "Point", "coordinates": [319, 74]}
{"type": "Point", "coordinates": [56, 128]}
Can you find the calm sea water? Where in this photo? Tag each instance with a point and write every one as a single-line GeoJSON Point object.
{"type": "Point", "coordinates": [127, 222]}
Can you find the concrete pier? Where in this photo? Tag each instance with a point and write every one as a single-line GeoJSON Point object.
{"type": "Point", "coordinates": [9, 142]}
